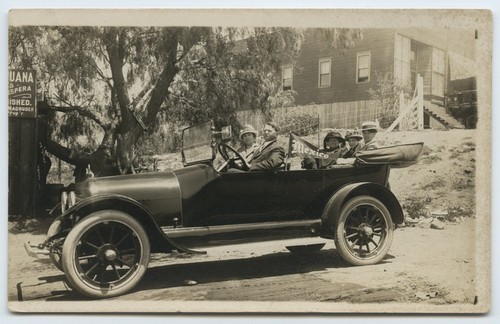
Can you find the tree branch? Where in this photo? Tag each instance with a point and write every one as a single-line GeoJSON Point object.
{"type": "Point", "coordinates": [116, 63]}
{"type": "Point", "coordinates": [101, 74]}
{"type": "Point", "coordinates": [66, 154]}
{"type": "Point", "coordinates": [82, 111]}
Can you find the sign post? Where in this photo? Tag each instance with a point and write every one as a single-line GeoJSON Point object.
{"type": "Point", "coordinates": [23, 143]}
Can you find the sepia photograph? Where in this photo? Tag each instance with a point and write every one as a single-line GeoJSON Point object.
{"type": "Point", "coordinates": [249, 161]}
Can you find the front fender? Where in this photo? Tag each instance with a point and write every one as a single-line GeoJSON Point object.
{"type": "Point", "coordinates": [159, 241]}
{"type": "Point", "coordinates": [341, 196]}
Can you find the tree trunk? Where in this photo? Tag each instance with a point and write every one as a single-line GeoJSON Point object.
{"type": "Point", "coordinates": [131, 130]}
{"type": "Point", "coordinates": [103, 162]}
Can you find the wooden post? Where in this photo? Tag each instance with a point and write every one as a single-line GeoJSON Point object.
{"type": "Point", "coordinates": [23, 180]}
{"type": "Point", "coordinates": [319, 128]}
{"type": "Point", "coordinates": [420, 103]}
{"type": "Point", "coordinates": [402, 106]}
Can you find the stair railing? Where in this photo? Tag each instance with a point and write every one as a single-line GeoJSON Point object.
{"type": "Point", "coordinates": [411, 114]}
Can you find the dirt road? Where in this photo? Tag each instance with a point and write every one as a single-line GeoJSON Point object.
{"type": "Point", "coordinates": [424, 266]}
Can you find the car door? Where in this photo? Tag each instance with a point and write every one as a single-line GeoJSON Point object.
{"type": "Point", "coordinates": [246, 197]}
{"type": "Point", "coordinates": [234, 198]}
{"type": "Point", "coordinates": [301, 193]}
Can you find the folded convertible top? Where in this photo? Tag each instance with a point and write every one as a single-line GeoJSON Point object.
{"type": "Point", "coordinates": [398, 156]}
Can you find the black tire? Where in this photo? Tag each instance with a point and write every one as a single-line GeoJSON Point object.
{"type": "Point", "coordinates": [364, 231]}
{"type": "Point", "coordinates": [471, 122]}
{"type": "Point", "coordinates": [106, 254]}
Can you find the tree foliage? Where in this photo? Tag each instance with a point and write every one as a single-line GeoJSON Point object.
{"type": "Point", "coordinates": [233, 70]}
{"type": "Point", "coordinates": [386, 95]}
{"type": "Point", "coordinates": [107, 82]}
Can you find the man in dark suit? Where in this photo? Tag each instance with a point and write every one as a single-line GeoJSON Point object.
{"type": "Point", "coordinates": [270, 155]}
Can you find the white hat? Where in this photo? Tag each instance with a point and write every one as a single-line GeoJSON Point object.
{"type": "Point", "coordinates": [248, 129]}
{"type": "Point", "coordinates": [369, 125]}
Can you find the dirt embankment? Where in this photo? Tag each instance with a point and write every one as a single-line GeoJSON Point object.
{"type": "Point", "coordinates": [442, 184]}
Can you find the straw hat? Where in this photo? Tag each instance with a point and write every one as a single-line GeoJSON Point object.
{"type": "Point", "coordinates": [369, 125]}
{"type": "Point", "coordinates": [248, 129]}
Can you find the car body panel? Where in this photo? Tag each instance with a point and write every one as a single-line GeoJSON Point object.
{"type": "Point", "coordinates": [158, 193]}
{"type": "Point", "coordinates": [334, 205]}
{"type": "Point", "coordinates": [304, 193]}
{"type": "Point", "coordinates": [198, 195]}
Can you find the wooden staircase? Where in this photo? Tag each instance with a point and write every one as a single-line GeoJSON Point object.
{"type": "Point", "coordinates": [439, 113]}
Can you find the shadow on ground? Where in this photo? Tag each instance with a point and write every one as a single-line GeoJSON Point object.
{"type": "Point", "coordinates": [219, 271]}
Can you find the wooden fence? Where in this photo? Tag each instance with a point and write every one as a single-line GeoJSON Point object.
{"type": "Point", "coordinates": [339, 115]}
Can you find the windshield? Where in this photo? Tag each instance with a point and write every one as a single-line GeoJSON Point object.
{"type": "Point", "coordinates": [196, 143]}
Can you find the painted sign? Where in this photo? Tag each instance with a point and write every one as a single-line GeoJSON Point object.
{"type": "Point", "coordinates": [22, 93]}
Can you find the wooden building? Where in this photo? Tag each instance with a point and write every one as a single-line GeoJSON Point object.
{"type": "Point", "coordinates": [337, 82]}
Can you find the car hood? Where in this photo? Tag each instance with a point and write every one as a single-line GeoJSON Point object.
{"type": "Point", "coordinates": [141, 186]}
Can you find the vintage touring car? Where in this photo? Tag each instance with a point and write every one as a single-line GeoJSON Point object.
{"type": "Point", "coordinates": [103, 240]}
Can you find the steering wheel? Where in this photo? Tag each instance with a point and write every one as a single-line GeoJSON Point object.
{"type": "Point", "coordinates": [231, 156]}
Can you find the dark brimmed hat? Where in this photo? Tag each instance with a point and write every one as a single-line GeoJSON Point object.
{"type": "Point", "coordinates": [334, 135]}
{"type": "Point", "coordinates": [354, 134]}
{"type": "Point", "coordinates": [369, 125]}
{"type": "Point", "coordinates": [248, 129]}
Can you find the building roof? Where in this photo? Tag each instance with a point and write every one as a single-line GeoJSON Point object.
{"type": "Point", "coordinates": [459, 41]}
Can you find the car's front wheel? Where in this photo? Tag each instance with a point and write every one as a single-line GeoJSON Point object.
{"type": "Point", "coordinates": [106, 254]}
{"type": "Point", "coordinates": [364, 231]}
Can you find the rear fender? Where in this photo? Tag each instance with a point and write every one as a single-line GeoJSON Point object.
{"type": "Point", "coordinates": [334, 205]}
{"type": "Point", "coordinates": [63, 224]}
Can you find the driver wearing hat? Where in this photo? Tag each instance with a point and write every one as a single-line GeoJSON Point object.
{"type": "Point", "coordinates": [248, 137]}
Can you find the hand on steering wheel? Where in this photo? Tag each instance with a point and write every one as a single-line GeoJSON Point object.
{"type": "Point", "coordinates": [231, 156]}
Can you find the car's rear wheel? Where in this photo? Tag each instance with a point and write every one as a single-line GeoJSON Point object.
{"type": "Point", "coordinates": [364, 231]}
{"type": "Point", "coordinates": [106, 254]}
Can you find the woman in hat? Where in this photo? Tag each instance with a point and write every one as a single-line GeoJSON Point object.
{"type": "Point", "coordinates": [248, 137]}
{"type": "Point", "coordinates": [334, 145]}
{"type": "Point", "coordinates": [353, 138]}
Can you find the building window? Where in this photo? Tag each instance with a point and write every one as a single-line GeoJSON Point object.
{"type": "Point", "coordinates": [402, 47]}
{"type": "Point", "coordinates": [287, 77]}
{"type": "Point", "coordinates": [325, 73]}
{"type": "Point", "coordinates": [363, 67]}
{"type": "Point", "coordinates": [438, 70]}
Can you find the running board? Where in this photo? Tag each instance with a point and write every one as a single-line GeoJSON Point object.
{"type": "Point", "coordinates": [242, 233]}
